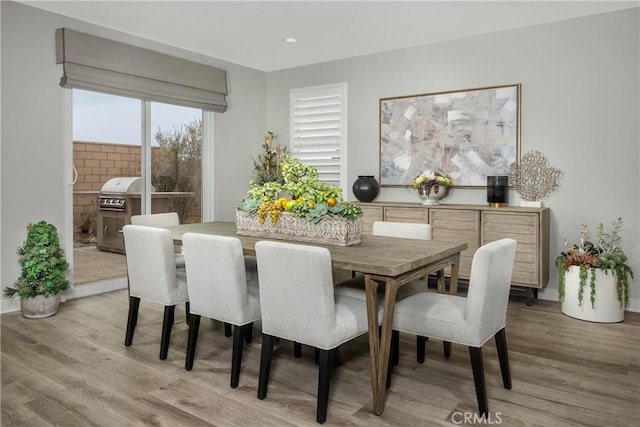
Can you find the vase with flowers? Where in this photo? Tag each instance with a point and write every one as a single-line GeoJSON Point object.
{"type": "Point", "coordinates": [432, 186]}
{"type": "Point", "coordinates": [599, 268]}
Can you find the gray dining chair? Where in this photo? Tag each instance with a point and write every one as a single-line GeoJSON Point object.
{"type": "Point", "coordinates": [219, 289]}
{"type": "Point", "coordinates": [153, 276]}
{"type": "Point", "coordinates": [354, 286]}
{"type": "Point", "coordinates": [297, 302]}
{"type": "Point", "coordinates": [165, 219]}
{"type": "Point", "coordinates": [470, 320]}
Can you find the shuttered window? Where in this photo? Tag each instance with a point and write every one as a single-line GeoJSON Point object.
{"type": "Point", "coordinates": [319, 130]}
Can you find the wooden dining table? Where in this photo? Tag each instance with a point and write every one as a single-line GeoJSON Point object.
{"type": "Point", "coordinates": [387, 261]}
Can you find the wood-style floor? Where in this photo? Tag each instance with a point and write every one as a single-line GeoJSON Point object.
{"type": "Point", "coordinates": [73, 370]}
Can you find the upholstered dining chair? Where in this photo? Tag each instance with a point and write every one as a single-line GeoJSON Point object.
{"type": "Point", "coordinates": [165, 219]}
{"type": "Point", "coordinates": [470, 320]}
{"type": "Point", "coordinates": [354, 286]}
{"type": "Point", "coordinates": [153, 276]}
{"type": "Point", "coordinates": [297, 302]}
{"type": "Point", "coordinates": [219, 289]}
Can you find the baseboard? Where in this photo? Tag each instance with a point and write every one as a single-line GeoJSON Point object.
{"type": "Point", "coordinates": [13, 304]}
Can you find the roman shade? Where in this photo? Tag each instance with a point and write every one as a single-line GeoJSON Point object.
{"type": "Point", "coordinates": [104, 65]}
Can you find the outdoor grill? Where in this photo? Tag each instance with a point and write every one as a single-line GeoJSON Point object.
{"type": "Point", "coordinates": [118, 200]}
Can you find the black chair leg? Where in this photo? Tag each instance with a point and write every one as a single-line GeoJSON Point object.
{"type": "Point", "coordinates": [395, 347]}
{"type": "Point", "coordinates": [194, 327]}
{"type": "Point", "coordinates": [324, 381]}
{"type": "Point", "coordinates": [421, 342]}
{"type": "Point", "coordinates": [248, 338]}
{"type": "Point", "coordinates": [227, 329]}
{"type": "Point", "coordinates": [167, 324]}
{"type": "Point", "coordinates": [503, 356]}
{"type": "Point", "coordinates": [265, 364]}
{"type": "Point", "coordinates": [316, 356]}
{"type": "Point", "coordinates": [188, 311]}
{"type": "Point", "coordinates": [297, 350]}
{"type": "Point", "coordinates": [239, 335]}
{"type": "Point", "coordinates": [132, 320]}
{"type": "Point", "coordinates": [478, 378]}
{"type": "Point", "coordinates": [447, 349]}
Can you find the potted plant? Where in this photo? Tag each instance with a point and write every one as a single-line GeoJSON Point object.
{"type": "Point", "coordinates": [44, 269]}
{"type": "Point", "coordinates": [598, 268]}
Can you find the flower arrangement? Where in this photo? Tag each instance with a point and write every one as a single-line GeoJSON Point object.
{"type": "Point", "coordinates": [298, 191]}
{"type": "Point", "coordinates": [430, 180]}
{"type": "Point", "coordinates": [605, 253]}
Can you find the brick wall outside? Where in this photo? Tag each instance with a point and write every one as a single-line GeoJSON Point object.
{"type": "Point", "coordinates": [96, 163]}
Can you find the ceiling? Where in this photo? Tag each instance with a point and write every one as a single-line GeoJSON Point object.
{"type": "Point", "coordinates": [252, 33]}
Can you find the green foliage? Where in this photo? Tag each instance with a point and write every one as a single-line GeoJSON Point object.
{"type": "Point", "coordinates": [176, 165]}
{"type": "Point", "coordinates": [44, 266]}
{"type": "Point", "coordinates": [268, 166]}
{"type": "Point", "coordinates": [249, 206]}
{"type": "Point", "coordinates": [605, 254]}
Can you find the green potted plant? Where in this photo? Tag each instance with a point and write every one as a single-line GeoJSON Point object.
{"type": "Point", "coordinates": [44, 269]}
{"type": "Point", "coordinates": [598, 267]}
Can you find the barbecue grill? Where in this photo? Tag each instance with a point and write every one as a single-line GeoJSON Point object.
{"type": "Point", "coordinates": [118, 200]}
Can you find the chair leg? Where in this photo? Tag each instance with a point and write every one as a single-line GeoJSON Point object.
{"type": "Point", "coordinates": [265, 364]}
{"type": "Point", "coordinates": [395, 347]}
{"type": "Point", "coordinates": [478, 378]}
{"type": "Point", "coordinates": [447, 349]}
{"type": "Point", "coordinates": [187, 310]}
{"type": "Point", "coordinates": [132, 320]}
{"type": "Point", "coordinates": [421, 342]}
{"type": "Point", "coordinates": [316, 356]}
{"type": "Point", "coordinates": [503, 356]}
{"type": "Point", "coordinates": [194, 327]}
{"type": "Point", "coordinates": [227, 329]}
{"type": "Point", "coordinates": [324, 381]}
{"type": "Point", "coordinates": [297, 350]}
{"type": "Point", "coordinates": [167, 324]}
{"type": "Point", "coordinates": [239, 335]}
{"type": "Point", "coordinates": [248, 338]}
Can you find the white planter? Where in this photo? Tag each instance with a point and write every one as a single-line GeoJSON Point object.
{"type": "Point", "coordinates": [606, 307]}
{"type": "Point", "coordinates": [39, 306]}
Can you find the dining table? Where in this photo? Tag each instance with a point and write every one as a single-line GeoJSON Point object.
{"type": "Point", "coordinates": [384, 261]}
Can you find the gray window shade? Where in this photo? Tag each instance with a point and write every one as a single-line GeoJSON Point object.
{"type": "Point", "coordinates": [103, 65]}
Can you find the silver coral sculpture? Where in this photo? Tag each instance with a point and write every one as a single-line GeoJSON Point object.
{"type": "Point", "coordinates": [533, 178]}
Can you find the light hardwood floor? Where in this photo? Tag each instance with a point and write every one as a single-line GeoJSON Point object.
{"type": "Point", "coordinates": [73, 370]}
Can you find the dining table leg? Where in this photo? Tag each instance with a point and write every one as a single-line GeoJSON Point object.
{"type": "Point", "coordinates": [380, 345]}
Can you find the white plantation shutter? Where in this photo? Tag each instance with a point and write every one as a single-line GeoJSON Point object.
{"type": "Point", "coordinates": [319, 130]}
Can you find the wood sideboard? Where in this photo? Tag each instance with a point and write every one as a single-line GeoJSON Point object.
{"type": "Point", "coordinates": [477, 225]}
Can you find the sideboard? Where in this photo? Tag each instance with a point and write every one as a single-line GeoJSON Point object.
{"type": "Point", "coordinates": [477, 225]}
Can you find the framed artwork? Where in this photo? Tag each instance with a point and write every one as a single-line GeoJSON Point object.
{"type": "Point", "coordinates": [466, 134]}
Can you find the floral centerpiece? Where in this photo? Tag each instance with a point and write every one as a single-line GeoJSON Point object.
{"type": "Point", "coordinates": [287, 207]}
{"type": "Point", "coordinates": [604, 254]}
{"type": "Point", "coordinates": [429, 181]}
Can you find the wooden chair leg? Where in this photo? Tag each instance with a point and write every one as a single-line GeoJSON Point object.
{"type": "Point", "coordinates": [478, 378]}
{"type": "Point", "coordinates": [188, 311]}
{"type": "Point", "coordinates": [324, 381]}
{"type": "Point", "coordinates": [297, 350]}
{"type": "Point", "coordinates": [265, 365]}
{"type": "Point", "coordinates": [194, 327]}
{"type": "Point", "coordinates": [167, 324]}
{"type": "Point", "coordinates": [248, 338]}
{"type": "Point", "coordinates": [421, 343]}
{"type": "Point", "coordinates": [239, 333]}
{"type": "Point", "coordinates": [132, 320]}
{"type": "Point", "coordinates": [503, 356]}
{"type": "Point", "coordinates": [227, 329]}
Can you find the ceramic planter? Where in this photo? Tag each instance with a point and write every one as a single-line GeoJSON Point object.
{"type": "Point", "coordinates": [40, 306]}
{"type": "Point", "coordinates": [606, 308]}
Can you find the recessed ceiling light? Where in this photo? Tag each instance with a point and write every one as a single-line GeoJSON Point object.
{"type": "Point", "coordinates": [291, 40]}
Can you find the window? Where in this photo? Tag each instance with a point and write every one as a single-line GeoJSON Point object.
{"type": "Point", "coordinates": [318, 134]}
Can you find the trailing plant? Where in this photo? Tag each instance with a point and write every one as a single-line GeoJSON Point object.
{"type": "Point", "coordinates": [605, 254]}
{"type": "Point", "coordinates": [44, 266]}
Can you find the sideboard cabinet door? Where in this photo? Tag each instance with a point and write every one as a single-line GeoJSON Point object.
{"type": "Point", "coordinates": [457, 225]}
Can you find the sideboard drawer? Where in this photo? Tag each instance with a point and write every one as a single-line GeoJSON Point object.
{"type": "Point", "coordinates": [457, 226]}
{"type": "Point", "coordinates": [394, 214]}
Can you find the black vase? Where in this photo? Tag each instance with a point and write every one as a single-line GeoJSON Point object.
{"type": "Point", "coordinates": [365, 188]}
{"type": "Point", "coordinates": [497, 187]}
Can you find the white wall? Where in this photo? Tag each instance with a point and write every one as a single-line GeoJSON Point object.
{"type": "Point", "coordinates": [32, 150]}
{"type": "Point", "coordinates": [580, 107]}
